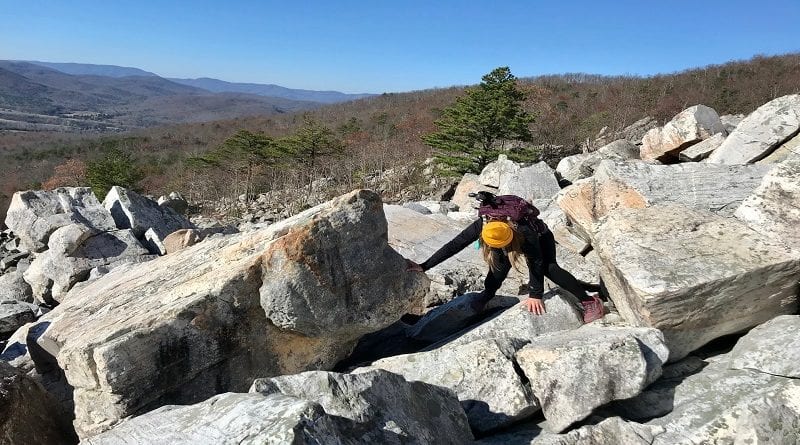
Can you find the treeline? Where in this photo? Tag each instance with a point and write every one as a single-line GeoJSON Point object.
{"type": "Point", "coordinates": [386, 131]}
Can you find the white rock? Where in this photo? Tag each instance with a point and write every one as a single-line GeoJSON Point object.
{"type": "Point", "coordinates": [759, 133]}
{"type": "Point", "coordinates": [535, 182]}
{"type": "Point", "coordinates": [14, 287]}
{"type": "Point", "coordinates": [703, 149]}
{"type": "Point", "coordinates": [580, 166]}
{"type": "Point", "coordinates": [688, 127]}
{"type": "Point", "coordinates": [498, 172]}
{"type": "Point", "coordinates": [772, 348]}
{"type": "Point", "coordinates": [469, 184]}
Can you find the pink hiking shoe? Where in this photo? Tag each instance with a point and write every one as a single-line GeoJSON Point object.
{"type": "Point", "coordinates": [593, 309]}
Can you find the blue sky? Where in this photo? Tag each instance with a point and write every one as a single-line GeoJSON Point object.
{"type": "Point", "coordinates": [379, 46]}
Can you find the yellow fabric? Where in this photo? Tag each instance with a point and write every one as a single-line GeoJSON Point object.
{"type": "Point", "coordinates": [497, 234]}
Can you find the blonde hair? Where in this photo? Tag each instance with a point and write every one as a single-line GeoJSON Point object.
{"type": "Point", "coordinates": [514, 250]}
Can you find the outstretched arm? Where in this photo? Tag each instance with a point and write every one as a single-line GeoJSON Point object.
{"type": "Point", "coordinates": [462, 240]}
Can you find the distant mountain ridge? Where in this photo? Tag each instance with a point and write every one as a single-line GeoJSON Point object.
{"type": "Point", "coordinates": [221, 86]}
{"type": "Point", "coordinates": [89, 69]}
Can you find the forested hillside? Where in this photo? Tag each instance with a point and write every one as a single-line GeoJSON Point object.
{"type": "Point", "coordinates": [384, 132]}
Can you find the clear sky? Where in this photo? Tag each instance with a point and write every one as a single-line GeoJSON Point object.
{"type": "Point", "coordinates": [378, 46]}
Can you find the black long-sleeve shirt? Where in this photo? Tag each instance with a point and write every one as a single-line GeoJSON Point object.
{"type": "Point", "coordinates": [530, 248]}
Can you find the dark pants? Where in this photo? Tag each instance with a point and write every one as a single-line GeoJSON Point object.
{"type": "Point", "coordinates": [547, 248]}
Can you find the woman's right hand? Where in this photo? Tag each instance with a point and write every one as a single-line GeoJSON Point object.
{"type": "Point", "coordinates": [412, 266]}
{"type": "Point", "coordinates": [535, 305]}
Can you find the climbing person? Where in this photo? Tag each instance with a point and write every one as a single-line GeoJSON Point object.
{"type": "Point", "coordinates": [508, 227]}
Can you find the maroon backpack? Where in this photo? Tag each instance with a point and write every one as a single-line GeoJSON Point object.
{"type": "Point", "coordinates": [511, 208]}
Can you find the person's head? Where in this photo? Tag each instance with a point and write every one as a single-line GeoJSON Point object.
{"type": "Point", "coordinates": [500, 235]}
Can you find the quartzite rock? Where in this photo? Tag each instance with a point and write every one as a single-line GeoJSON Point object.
{"type": "Point", "coordinates": [703, 149]}
{"type": "Point", "coordinates": [537, 181]}
{"type": "Point", "coordinates": [497, 173]}
{"type": "Point", "coordinates": [14, 314]}
{"type": "Point", "coordinates": [688, 127]}
{"type": "Point", "coordinates": [294, 296]}
{"type": "Point", "coordinates": [693, 274]}
{"type": "Point", "coordinates": [772, 348]}
{"type": "Point", "coordinates": [580, 166]}
{"type": "Point", "coordinates": [787, 150]}
{"type": "Point", "coordinates": [611, 431]}
{"type": "Point", "coordinates": [14, 287]}
{"type": "Point", "coordinates": [470, 183]}
{"type": "Point", "coordinates": [759, 133]}
{"type": "Point", "coordinates": [181, 239]}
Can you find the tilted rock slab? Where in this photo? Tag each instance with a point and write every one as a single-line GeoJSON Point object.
{"type": "Point", "coordinates": [34, 215]}
{"type": "Point", "coordinates": [761, 132]}
{"type": "Point", "coordinates": [144, 217]}
{"type": "Point", "coordinates": [73, 251]}
{"type": "Point", "coordinates": [384, 406]}
{"type": "Point", "coordinates": [480, 373]}
{"type": "Point", "coordinates": [774, 207]}
{"type": "Point", "coordinates": [720, 405]}
{"type": "Point", "coordinates": [620, 185]}
{"type": "Point", "coordinates": [232, 419]}
{"type": "Point", "coordinates": [703, 149]}
{"type": "Point", "coordinates": [574, 372]}
{"type": "Point", "coordinates": [417, 237]}
{"type": "Point", "coordinates": [693, 274]}
{"type": "Point", "coordinates": [789, 149]}
{"type": "Point", "coordinates": [772, 348]}
{"type": "Point", "coordinates": [27, 413]}
{"type": "Point", "coordinates": [688, 127]}
{"type": "Point", "coordinates": [583, 165]}
{"type": "Point", "coordinates": [537, 181]}
{"type": "Point", "coordinates": [294, 296]}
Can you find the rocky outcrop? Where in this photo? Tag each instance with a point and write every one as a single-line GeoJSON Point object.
{"type": "Point", "coordinates": [694, 275]}
{"type": "Point", "coordinates": [35, 215]}
{"type": "Point", "coordinates": [581, 166]}
{"type": "Point", "coordinates": [383, 406]}
{"type": "Point", "coordinates": [703, 149]}
{"type": "Point", "coordinates": [73, 251]}
{"type": "Point", "coordinates": [149, 221]}
{"type": "Point", "coordinates": [27, 413]}
{"type": "Point", "coordinates": [761, 132]}
{"type": "Point", "coordinates": [774, 207]}
{"type": "Point", "coordinates": [688, 127]}
{"type": "Point", "coordinates": [618, 185]}
{"type": "Point", "coordinates": [537, 181]}
{"type": "Point", "coordinates": [499, 172]}
{"type": "Point", "coordinates": [482, 375]}
{"type": "Point", "coordinates": [573, 372]}
{"type": "Point", "coordinates": [210, 318]}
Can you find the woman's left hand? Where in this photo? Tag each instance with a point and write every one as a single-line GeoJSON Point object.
{"type": "Point", "coordinates": [535, 305]}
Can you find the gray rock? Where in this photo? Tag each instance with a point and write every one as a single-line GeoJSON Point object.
{"type": "Point", "coordinates": [453, 316]}
{"type": "Point", "coordinates": [11, 260]}
{"type": "Point", "coordinates": [14, 314]}
{"type": "Point", "coordinates": [688, 127]}
{"type": "Point", "coordinates": [703, 149]}
{"type": "Point", "coordinates": [498, 172]}
{"type": "Point", "coordinates": [27, 413]}
{"type": "Point", "coordinates": [693, 274]}
{"type": "Point", "coordinates": [34, 215]}
{"type": "Point", "coordinates": [232, 419]}
{"type": "Point", "coordinates": [294, 296]}
{"type": "Point", "coordinates": [772, 348]}
{"type": "Point", "coordinates": [133, 211]}
{"type": "Point", "coordinates": [518, 324]}
{"type": "Point", "coordinates": [617, 185]}
{"type": "Point", "coordinates": [535, 182]}
{"type": "Point", "coordinates": [611, 431]}
{"type": "Point", "coordinates": [761, 132]}
{"type": "Point", "coordinates": [174, 201]}
{"type": "Point", "coordinates": [574, 372]}
{"type": "Point", "coordinates": [481, 374]}
{"type": "Point", "coordinates": [386, 408]}
{"type": "Point", "coordinates": [731, 121]}
{"type": "Point", "coordinates": [74, 250]}
{"type": "Point", "coordinates": [773, 209]}
{"type": "Point", "coordinates": [419, 208]}
{"type": "Point", "coordinates": [789, 149]}
{"type": "Point", "coordinates": [14, 287]}
{"type": "Point", "coordinates": [580, 166]}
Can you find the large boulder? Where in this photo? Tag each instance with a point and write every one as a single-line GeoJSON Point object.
{"type": "Point", "coordinates": [688, 127]}
{"type": "Point", "coordinates": [537, 181]}
{"type": "Point", "coordinates": [27, 413]}
{"type": "Point", "coordinates": [772, 348]}
{"type": "Point", "coordinates": [774, 207]}
{"type": "Point", "coordinates": [14, 314]}
{"type": "Point", "coordinates": [703, 149]}
{"type": "Point", "coordinates": [14, 287]}
{"type": "Point", "coordinates": [386, 408]}
{"type": "Point", "coordinates": [719, 405]}
{"type": "Point", "coordinates": [789, 149]}
{"type": "Point", "coordinates": [761, 132]}
{"type": "Point", "coordinates": [144, 216]}
{"type": "Point", "coordinates": [620, 185]}
{"type": "Point", "coordinates": [453, 316]}
{"type": "Point", "coordinates": [294, 296]}
{"type": "Point", "coordinates": [573, 372]}
{"type": "Point", "coordinates": [611, 431]}
{"type": "Point", "coordinates": [498, 172]}
{"type": "Point", "coordinates": [482, 375]}
{"type": "Point", "coordinates": [73, 251]}
{"type": "Point", "coordinates": [581, 166]}
{"type": "Point", "coordinates": [693, 274]}
{"type": "Point", "coordinates": [34, 215]}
